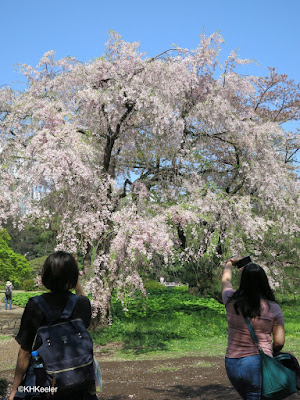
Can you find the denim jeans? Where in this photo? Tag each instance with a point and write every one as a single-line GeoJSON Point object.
{"type": "Point", "coordinates": [245, 375]}
{"type": "Point", "coordinates": [10, 303]}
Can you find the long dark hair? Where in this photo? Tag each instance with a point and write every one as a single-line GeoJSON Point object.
{"type": "Point", "coordinates": [254, 286]}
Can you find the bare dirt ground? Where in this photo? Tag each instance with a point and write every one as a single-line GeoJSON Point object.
{"type": "Point", "coordinates": [162, 379]}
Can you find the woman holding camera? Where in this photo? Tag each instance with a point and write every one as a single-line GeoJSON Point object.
{"type": "Point", "coordinates": [253, 299]}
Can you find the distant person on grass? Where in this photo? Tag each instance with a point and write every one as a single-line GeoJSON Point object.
{"type": "Point", "coordinates": [59, 275]}
{"type": "Point", "coordinates": [8, 294]}
{"type": "Point", "coordinates": [253, 299]}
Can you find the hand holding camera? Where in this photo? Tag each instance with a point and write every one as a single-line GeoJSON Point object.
{"type": "Point", "coordinates": [240, 262]}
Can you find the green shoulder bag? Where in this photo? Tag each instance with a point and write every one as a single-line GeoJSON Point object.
{"type": "Point", "coordinates": [278, 382]}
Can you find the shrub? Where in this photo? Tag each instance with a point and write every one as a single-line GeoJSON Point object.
{"type": "Point", "coordinates": [21, 299]}
{"type": "Point", "coordinates": [151, 284]}
{"type": "Point", "coordinates": [29, 285]}
{"type": "Point", "coordinates": [37, 264]}
{"type": "Point", "coordinates": [13, 266]}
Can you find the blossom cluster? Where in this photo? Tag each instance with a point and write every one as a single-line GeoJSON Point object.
{"type": "Point", "coordinates": [149, 160]}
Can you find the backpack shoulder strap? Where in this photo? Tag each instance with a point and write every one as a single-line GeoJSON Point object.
{"type": "Point", "coordinates": [44, 307]}
{"type": "Point", "coordinates": [70, 305]}
{"type": "Point", "coordinates": [48, 313]}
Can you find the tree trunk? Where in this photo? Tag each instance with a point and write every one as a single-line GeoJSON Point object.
{"type": "Point", "coordinates": [104, 318]}
{"type": "Point", "coordinates": [87, 260]}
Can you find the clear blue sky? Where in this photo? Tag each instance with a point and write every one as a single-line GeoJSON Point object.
{"type": "Point", "coordinates": [265, 30]}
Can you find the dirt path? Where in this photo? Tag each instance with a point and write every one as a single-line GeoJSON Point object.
{"type": "Point", "coordinates": [168, 379]}
{"type": "Point", "coordinates": [164, 379]}
{"type": "Point", "coordinates": [180, 378]}
{"type": "Point", "coordinates": [174, 379]}
{"type": "Point", "coordinates": [9, 319]}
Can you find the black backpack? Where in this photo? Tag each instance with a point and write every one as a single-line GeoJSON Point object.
{"type": "Point", "coordinates": [291, 362]}
{"type": "Point", "coordinates": [8, 292]}
{"type": "Point", "coordinates": [66, 349]}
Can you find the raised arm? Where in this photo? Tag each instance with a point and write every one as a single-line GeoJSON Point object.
{"type": "Point", "coordinates": [227, 275]}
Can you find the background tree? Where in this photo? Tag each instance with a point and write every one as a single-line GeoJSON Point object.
{"type": "Point", "coordinates": [150, 162]}
{"type": "Point", "coordinates": [13, 267]}
{"type": "Point", "coordinates": [32, 242]}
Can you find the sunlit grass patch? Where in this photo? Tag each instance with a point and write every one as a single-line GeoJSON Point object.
{"type": "Point", "coordinates": [5, 337]}
{"type": "Point", "coordinates": [164, 368]}
{"type": "Point", "coordinates": [170, 322]}
{"type": "Point", "coordinates": [5, 367]}
{"type": "Point", "coordinates": [202, 364]}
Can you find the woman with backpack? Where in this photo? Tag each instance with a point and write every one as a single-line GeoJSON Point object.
{"type": "Point", "coordinates": [255, 300]}
{"type": "Point", "coordinates": [8, 294]}
{"type": "Point", "coordinates": [56, 312]}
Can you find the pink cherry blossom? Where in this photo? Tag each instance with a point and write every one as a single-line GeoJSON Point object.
{"type": "Point", "coordinates": [141, 161]}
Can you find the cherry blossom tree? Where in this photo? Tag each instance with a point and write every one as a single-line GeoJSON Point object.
{"type": "Point", "coordinates": [140, 162]}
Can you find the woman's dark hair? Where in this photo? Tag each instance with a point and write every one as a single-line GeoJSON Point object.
{"type": "Point", "coordinates": [60, 272]}
{"type": "Point", "coordinates": [254, 286]}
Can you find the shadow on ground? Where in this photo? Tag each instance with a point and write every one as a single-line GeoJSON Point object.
{"type": "Point", "coordinates": [208, 392]}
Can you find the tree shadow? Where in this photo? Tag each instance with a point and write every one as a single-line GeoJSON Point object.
{"type": "Point", "coordinates": [207, 392]}
{"type": "Point", "coordinates": [138, 342]}
{"type": "Point", "coordinates": [116, 397]}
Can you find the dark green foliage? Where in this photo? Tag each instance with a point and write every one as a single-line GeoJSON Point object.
{"type": "Point", "coordinates": [29, 285]}
{"type": "Point", "coordinates": [3, 387]}
{"type": "Point", "coordinates": [288, 256]}
{"type": "Point", "coordinates": [152, 284]}
{"type": "Point", "coordinates": [279, 252]}
{"type": "Point", "coordinates": [37, 264]}
{"type": "Point", "coordinates": [202, 274]}
{"type": "Point", "coordinates": [33, 241]}
{"type": "Point", "coordinates": [13, 266]}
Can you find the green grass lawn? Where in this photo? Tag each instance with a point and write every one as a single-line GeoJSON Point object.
{"type": "Point", "coordinates": [172, 323]}
{"type": "Point", "coordinates": [291, 313]}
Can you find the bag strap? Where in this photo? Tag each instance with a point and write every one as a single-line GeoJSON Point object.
{"type": "Point", "coordinates": [69, 307]}
{"type": "Point", "coordinates": [44, 307]}
{"type": "Point", "coordinates": [252, 332]}
{"type": "Point", "coordinates": [47, 311]}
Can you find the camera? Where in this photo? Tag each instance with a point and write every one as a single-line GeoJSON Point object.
{"type": "Point", "coordinates": [244, 261]}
